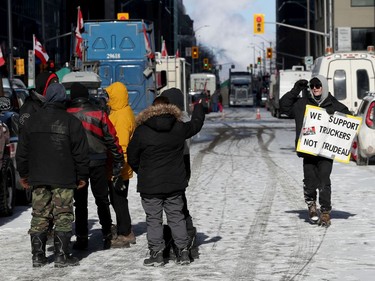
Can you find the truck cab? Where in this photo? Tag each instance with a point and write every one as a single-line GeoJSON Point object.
{"type": "Point", "coordinates": [122, 50]}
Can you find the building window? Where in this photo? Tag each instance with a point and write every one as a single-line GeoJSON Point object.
{"type": "Point", "coordinates": [362, 37]}
{"type": "Point", "coordinates": [363, 3]}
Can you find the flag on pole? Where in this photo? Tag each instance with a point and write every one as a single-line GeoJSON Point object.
{"type": "Point", "coordinates": [164, 52]}
{"type": "Point", "coordinates": [39, 50]}
{"type": "Point", "coordinates": [177, 53]}
{"type": "Point", "coordinates": [79, 39]}
{"type": "Point", "coordinates": [149, 52]}
{"type": "Point", "coordinates": [2, 60]}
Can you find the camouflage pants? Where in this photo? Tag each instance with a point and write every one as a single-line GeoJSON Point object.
{"type": "Point", "coordinates": [52, 202]}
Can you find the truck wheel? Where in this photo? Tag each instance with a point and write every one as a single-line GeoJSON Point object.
{"type": "Point", "coordinates": [7, 188]}
{"type": "Point", "coordinates": [361, 161]}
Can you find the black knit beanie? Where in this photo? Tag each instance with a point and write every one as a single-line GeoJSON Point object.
{"type": "Point", "coordinates": [78, 90]}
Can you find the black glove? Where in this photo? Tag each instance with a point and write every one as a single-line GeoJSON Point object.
{"type": "Point", "coordinates": [118, 184]}
{"type": "Point", "coordinates": [117, 168]}
{"type": "Point", "coordinates": [301, 84]}
{"type": "Point", "coordinates": [330, 111]}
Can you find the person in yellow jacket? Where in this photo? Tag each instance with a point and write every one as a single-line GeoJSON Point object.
{"type": "Point", "coordinates": [122, 117]}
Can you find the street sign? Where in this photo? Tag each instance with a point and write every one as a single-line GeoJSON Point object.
{"type": "Point", "coordinates": [309, 60]}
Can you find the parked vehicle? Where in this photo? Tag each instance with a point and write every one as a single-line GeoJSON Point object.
{"type": "Point", "coordinates": [7, 171]}
{"type": "Point", "coordinates": [173, 72]}
{"type": "Point", "coordinates": [283, 83]}
{"type": "Point", "coordinates": [16, 91]}
{"type": "Point", "coordinates": [350, 75]}
{"type": "Point", "coordinates": [241, 89]}
{"type": "Point", "coordinates": [363, 147]}
{"type": "Point", "coordinates": [121, 52]}
{"type": "Point", "coordinates": [91, 81]}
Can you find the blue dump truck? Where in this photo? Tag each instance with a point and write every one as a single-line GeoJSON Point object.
{"type": "Point", "coordinates": [122, 51]}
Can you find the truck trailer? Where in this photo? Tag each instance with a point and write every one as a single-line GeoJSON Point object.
{"type": "Point", "coordinates": [121, 50]}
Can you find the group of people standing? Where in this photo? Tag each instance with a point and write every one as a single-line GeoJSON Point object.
{"type": "Point", "coordinates": [66, 145]}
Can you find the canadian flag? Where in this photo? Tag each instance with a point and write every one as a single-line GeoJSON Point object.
{"type": "Point", "coordinates": [149, 52]}
{"type": "Point", "coordinates": [2, 60]}
{"type": "Point", "coordinates": [79, 39]}
{"type": "Point", "coordinates": [39, 50]}
{"type": "Point", "coordinates": [164, 52]}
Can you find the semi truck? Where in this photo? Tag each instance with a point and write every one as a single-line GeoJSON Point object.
{"type": "Point", "coordinates": [173, 72]}
{"type": "Point", "coordinates": [240, 89]}
{"type": "Point", "coordinates": [122, 51]}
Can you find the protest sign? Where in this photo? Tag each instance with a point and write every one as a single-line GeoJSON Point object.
{"type": "Point", "coordinates": [329, 136]}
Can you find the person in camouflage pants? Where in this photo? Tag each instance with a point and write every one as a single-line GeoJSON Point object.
{"type": "Point", "coordinates": [52, 202]}
{"type": "Point", "coordinates": [52, 159]}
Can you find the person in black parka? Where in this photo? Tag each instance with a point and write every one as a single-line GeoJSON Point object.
{"type": "Point", "coordinates": [317, 170]}
{"type": "Point", "coordinates": [176, 97]}
{"type": "Point", "coordinates": [52, 159]}
{"type": "Point", "coordinates": [155, 153]}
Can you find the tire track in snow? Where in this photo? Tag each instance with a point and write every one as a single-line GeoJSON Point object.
{"type": "Point", "coordinates": [307, 243]}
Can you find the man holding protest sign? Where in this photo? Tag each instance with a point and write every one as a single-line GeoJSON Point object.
{"type": "Point", "coordinates": [317, 169]}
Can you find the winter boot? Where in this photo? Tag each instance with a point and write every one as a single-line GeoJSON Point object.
{"type": "Point", "coordinates": [121, 241]}
{"type": "Point", "coordinates": [107, 238]}
{"type": "Point", "coordinates": [313, 214]}
{"type": "Point", "coordinates": [38, 246]}
{"type": "Point", "coordinates": [192, 235]}
{"type": "Point", "coordinates": [155, 259]}
{"type": "Point", "coordinates": [183, 256]}
{"type": "Point", "coordinates": [62, 255]}
{"type": "Point", "coordinates": [81, 243]}
{"type": "Point", "coordinates": [325, 219]}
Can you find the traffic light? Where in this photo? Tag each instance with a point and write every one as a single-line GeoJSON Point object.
{"type": "Point", "coordinates": [259, 60]}
{"type": "Point", "coordinates": [122, 16]}
{"type": "Point", "coordinates": [205, 63]}
{"type": "Point", "coordinates": [20, 67]}
{"type": "Point", "coordinates": [269, 53]}
{"type": "Point", "coordinates": [194, 52]}
{"type": "Point", "coordinates": [258, 23]}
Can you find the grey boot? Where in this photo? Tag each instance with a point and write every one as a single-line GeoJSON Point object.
{"type": "Point", "coordinates": [38, 249]}
{"type": "Point", "coordinates": [62, 256]}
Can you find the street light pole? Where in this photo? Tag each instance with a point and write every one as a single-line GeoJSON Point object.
{"type": "Point", "coordinates": [10, 39]}
{"type": "Point", "coordinates": [269, 42]}
{"type": "Point", "coordinates": [308, 27]}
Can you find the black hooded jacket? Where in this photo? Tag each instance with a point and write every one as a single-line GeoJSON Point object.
{"type": "Point", "coordinates": [294, 107]}
{"type": "Point", "coordinates": [155, 151]}
{"type": "Point", "coordinates": [53, 148]}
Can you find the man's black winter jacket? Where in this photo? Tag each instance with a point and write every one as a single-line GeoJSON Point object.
{"type": "Point", "coordinates": [155, 151]}
{"type": "Point", "coordinates": [53, 148]}
{"type": "Point", "coordinates": [294, 107]}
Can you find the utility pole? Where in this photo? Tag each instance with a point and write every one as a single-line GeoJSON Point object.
{"type": "Point", "coordinates": [308, 27]}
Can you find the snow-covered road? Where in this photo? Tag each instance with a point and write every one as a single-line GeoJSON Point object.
{"type": "Point", "coordinates": [246, 200]}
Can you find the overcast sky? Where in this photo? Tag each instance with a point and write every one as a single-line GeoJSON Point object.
{"type": "Point", "coordinates": [227, 27]}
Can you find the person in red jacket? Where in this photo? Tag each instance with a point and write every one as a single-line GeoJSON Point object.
{"type": "Point", "coordinates": [102, 138]}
